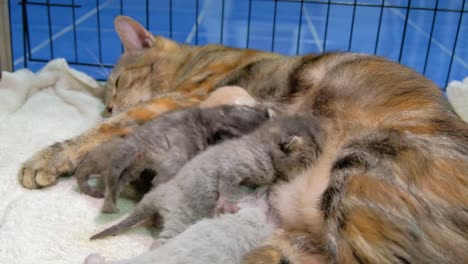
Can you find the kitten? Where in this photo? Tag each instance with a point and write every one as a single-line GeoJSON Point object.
{"type": "Point", "coordinates": [279, 149]}
{"type": "Point", "coordinates": [163, 145]}
{"type": "Point", "coordinates": [231, 237]}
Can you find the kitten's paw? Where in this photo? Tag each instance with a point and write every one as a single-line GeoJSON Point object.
{"type": "Point", "coordinates": [109, 209]}
{"type": "Point", "coordinates": [44, 168]}
{"type": "Point", "coordinates": [93, 193]}
{"type": "Point", "coordinates": [157, 243]}
{"type": "Point", "coordinates": [224, 206]}
{"type": "Point", "coordinates": [94, 259]}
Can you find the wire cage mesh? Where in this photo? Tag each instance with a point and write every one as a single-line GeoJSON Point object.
{"type": "Point", "coordinates": [431, 36]}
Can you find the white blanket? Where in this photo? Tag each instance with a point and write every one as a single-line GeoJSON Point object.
{"type": "Point", "coordinates": [457, 94]}
{"type": "Point", "coordinates": [51, 225]}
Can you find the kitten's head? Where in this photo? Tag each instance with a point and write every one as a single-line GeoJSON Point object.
{"type": "Point", "coordinates": [144, 68]}
{"type": "Point", "coordinates": [297, 143]}
{"type": "Point", "coordinates": [229, 121]}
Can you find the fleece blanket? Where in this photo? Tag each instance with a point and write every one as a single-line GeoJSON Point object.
{"type": "Point", "coordinates": [52, 225]}
{"type": "Point", "coordinates": [457, 94]}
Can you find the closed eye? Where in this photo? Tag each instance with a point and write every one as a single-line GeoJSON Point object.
{"type": "Point", "coordinates": [117, 82]}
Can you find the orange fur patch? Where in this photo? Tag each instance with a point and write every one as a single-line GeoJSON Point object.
{"type": "Point", "coordinates": [141, 114]}
{"type": "Point", "coordinates": [113, 130]}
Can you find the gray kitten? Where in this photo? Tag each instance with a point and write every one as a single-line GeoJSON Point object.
{"type": "Point", "coordinates": [210, 181]}
{"type": "Point", "coordinates": [163, 145]}
{"type": "Point", "coordinates": [231, 236]}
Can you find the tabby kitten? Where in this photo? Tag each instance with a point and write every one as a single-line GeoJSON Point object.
{"type": "Point", "coordinates": [391, 185]}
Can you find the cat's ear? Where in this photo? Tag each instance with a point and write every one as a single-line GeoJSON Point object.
{"type": "Point", "coordinates": [134, 36]}
{"type": "Point", "coordinates": [291, 143]}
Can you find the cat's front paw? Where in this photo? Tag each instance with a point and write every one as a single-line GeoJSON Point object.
{"type": "Point", "coordinates": [44, 168]}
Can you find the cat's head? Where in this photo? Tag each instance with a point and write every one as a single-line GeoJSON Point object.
{"type": "Point", "coordinates": [144, 69]}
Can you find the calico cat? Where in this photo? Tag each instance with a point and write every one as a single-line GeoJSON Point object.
{"type": "Point", "coordinates": [409, 205]}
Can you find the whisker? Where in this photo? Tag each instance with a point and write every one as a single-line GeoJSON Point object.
{"type": "Point", "coordinates": [104, 71]}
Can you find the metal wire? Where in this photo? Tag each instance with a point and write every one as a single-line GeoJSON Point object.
{"type": "Point", "coordinates": [299, 31]}
{"type": "Point", "coordinates": [404, 31]}
{"type": "Point", "coordinates": [428, 50]}
{"type": "Point", "coordinates": [380, 7]}
{"type": "Point", "coordinates": [350, 41]}
{"type": "Point", "coordinates": [273, 30]}
{"type": "Point", "coordinates": [197, 12]}
{"type": "Point", "coordinates": [326, 27]}
{"type": "Point", "coordinates": [99, 32]}
{"type": "Point", "coordinates": [170, 18]}
{"type": "Point", "coordinates": [75, 41]}
{"type": "Point", "coordinates": [222, 23]}
{"type": "Point", "coordinates": [377, 37]}
{"type": "Point", "coordinates": [248, 25]}
{"type": "Point", "coordinates": [49, 24]}
{"type": "Point", "coordinates": [455, 45]}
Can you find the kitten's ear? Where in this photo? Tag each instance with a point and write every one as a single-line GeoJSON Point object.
{"type": "Point", "coordinates": [271, 113]}
{"type": "Point", "coordinates": [134, 36]}
{"type": "Point", "coordinates": [291, 143]}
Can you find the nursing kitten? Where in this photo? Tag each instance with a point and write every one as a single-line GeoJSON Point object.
{"type": "Point", "coordinates": [231, 237]}
{"type": "Point", "coordinates": [358, 95]}
{"type": "Point", "coordinates": [279, 149]}
{"type": "Point", "coordinates": [163, 145]}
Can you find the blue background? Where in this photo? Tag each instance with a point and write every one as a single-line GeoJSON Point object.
{"type": "Point", "coordinates": [84, 35]}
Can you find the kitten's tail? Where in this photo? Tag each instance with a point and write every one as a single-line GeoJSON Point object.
{"type": "Point", "coordinates": [82, 177]}
{"type": "Point", "coordinates": [143, 210]}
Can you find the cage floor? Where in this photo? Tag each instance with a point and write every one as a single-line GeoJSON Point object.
{"type": "Point", "coordinates": [85, 35]}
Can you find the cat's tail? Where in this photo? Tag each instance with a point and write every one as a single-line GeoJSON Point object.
{"type": "Point", "coordinates": [145, 209]}
{"type": "Point", "coordinates": [82, 176]}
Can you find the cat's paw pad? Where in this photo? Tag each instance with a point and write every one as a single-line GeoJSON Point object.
{"type": "Point", "coordinates": [45, 167]}
{"type": "Point", "coordinates": [94, 259]}
{"type": "Point", "coordinates": [32, 177]}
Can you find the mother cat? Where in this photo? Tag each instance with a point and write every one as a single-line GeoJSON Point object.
{"type": "Point", "coordinates": [391, 185]}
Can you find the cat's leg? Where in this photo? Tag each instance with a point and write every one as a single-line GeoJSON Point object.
{"type": "Point", "coordinates": [112, 186]}
{"type": "Point", "coordinates": [61, 158]}
{"type": "Point", "coordinates": [175, 222]}
{"type": "Point", "coordinates": [87, 167]}
{"type": "Point", "coordinates": [227, 189]}
{"type": "Point", "coordinates": [115, 185]}
{"type": "Point", "coordinates": [124, 167]}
